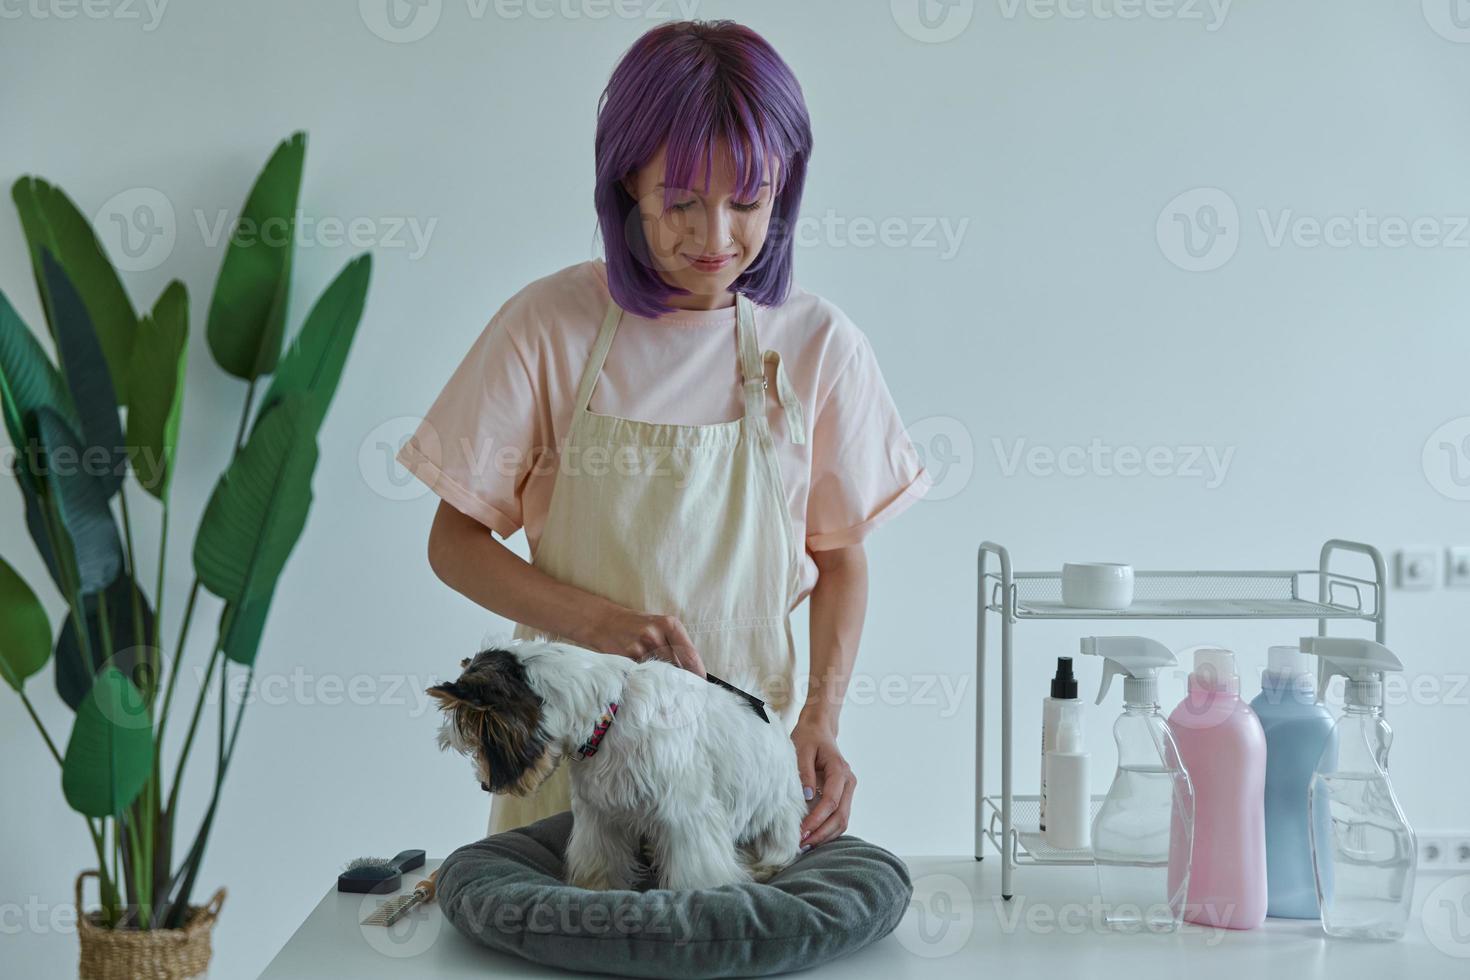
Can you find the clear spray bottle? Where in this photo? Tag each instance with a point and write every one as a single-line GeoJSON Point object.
{"type": "Point", "coordinates": [1135, 835]}
{"type": "Point", "coordinates": [1363, 849]}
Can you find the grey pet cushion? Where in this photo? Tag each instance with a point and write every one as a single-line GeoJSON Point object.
{"type": "Point", "coordinates": [508, 892]}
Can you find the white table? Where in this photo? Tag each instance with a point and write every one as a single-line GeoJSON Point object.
{"type": "Point", "coordinates": [957, 926]}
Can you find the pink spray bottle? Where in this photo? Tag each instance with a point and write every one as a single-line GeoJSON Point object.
{"type": "Point", "coordinates": [1223, 748]}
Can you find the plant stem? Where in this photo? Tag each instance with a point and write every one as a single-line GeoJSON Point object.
{"type": "Point", "coordinates": [104, 626]}
{"type": "Point", "coordinates": [122, 870]}
{"type": "Point", "coordinates": [219, 752]}
{"type": "Point", "coordinates": [245, 414]}
{"type": "Point", "coordinates": [173, 674]}
{"type": "Point", "coordinates": [104, 883]}
{"type": "Point", "coordinates": [40, 727]}
{"type": "Point", "coordinates": [158, 588]}
{"type": "Point", "coordinates": [196, 852]}
{"type": "Point", "coordinates": [138, 855]}
{"type": "Point", "coordinates": [140, 837]}
{"type": "Point", "coordinates": [173, 795]}
{"type": "Point", "coordinates": [132, 854]}
{"type": "Point", "coordinates": [189, 867]}
{"type": "Point", "coordinates": [162, 856]}
{"type": "Point", "coordinates": [138, 638]}
{"type": "Point", "coordinates": [143, 809]}
{"type": "Point", "coordinates": [168, 815]}
{"type": "Point", "coordinates": [116, 861]}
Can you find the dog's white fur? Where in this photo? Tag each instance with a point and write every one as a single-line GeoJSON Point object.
{"type": "Point", "coordinates": [685, 763]}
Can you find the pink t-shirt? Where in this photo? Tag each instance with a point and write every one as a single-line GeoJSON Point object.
{"type": "Point", "coordinates": [490, 441]}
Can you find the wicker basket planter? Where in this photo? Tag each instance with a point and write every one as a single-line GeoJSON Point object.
{"type": "Point", "coordinates": [145, 954]}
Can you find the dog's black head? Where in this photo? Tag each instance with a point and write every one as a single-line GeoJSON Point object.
{"type": "Point", "coordinates": [494, 716]}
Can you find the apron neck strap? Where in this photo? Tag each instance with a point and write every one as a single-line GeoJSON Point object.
{"type": "Point", "coordinates": [593, 370]}
{"type": "Point", "coordinates": [752, 366]}
{"type": "Point", "coordinates": [752, 370]}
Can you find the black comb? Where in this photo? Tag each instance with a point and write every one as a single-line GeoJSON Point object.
{"type": "Point", "coordinates": [756, 704]}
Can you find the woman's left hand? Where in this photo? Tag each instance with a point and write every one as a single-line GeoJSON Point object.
{"type": "Point", "coordinates": [828, 779]}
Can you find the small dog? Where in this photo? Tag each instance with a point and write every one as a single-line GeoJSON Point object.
{"type": "Point", "coordinates": [655, 752]}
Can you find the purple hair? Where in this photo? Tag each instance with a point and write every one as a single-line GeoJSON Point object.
{"type": "Point", "coordinates": [690, 84]}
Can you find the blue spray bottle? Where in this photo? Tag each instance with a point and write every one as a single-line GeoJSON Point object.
{"type": "Point", "coordinates": [1298, 731]}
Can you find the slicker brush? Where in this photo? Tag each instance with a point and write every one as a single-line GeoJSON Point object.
{"type": "Point", "coordinates": [376, 875]}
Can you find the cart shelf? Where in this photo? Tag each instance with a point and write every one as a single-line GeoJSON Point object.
{"type": "Point", "coordinates": [1027, 844]}
{"type": "Point", "coordinates": [1008, 821]}
{"type": "Point", "coordinates": [1200, 595]}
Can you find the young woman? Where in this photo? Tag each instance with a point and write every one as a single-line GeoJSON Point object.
{"type": "Point", "coordinates": [693, 444]}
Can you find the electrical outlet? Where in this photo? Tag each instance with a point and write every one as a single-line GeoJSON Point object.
{"type": "Point", "coordinates": [1416, 568]}
{"type": "Point", "coordinates": [1445, 850]}
{"type": "Point", "coordinates": [1457, 568]}
{"type": "Point", "coordinates": [1433, 852]}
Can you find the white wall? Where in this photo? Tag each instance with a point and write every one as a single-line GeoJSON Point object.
{"type": "Point", "coordinates": [1051, 144]}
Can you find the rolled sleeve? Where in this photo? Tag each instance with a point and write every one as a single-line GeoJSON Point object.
{"type": "Point", "coordinates": [865, 470]}
{"type": "Point", "coordinates": [460, 497]}
{"type": "Point", "coordinates": [478, 441]}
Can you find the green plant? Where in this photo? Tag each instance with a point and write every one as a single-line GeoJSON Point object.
{"type": "Point", "coordinates": [109, 654]}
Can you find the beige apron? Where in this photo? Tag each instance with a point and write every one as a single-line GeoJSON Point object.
{"type": "Point", "coordinates": [687, 520]}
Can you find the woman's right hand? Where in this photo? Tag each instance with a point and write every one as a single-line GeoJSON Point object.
{"type": "Point", "coordinates": [641, 636]}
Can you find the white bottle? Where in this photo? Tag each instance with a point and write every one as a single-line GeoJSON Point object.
{"type": "Point", "coordinates": [1069, 799]}
{"type": "Point", "coordinates": [1062, 703]}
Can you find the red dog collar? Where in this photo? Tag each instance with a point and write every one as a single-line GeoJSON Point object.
{"type": "Point", "coordinates": [589, 747]}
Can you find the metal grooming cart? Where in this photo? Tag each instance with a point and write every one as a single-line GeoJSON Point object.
{"type": "Point", "coordinates": [1010, 821]}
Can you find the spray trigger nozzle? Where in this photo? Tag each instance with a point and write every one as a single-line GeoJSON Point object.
{"type": "Point", "coordinates": [1137, 658]}
{"type": "Point", "coordinates": [1110, 670]}
{"type": "Point", "coordinates": [1360, 662]}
